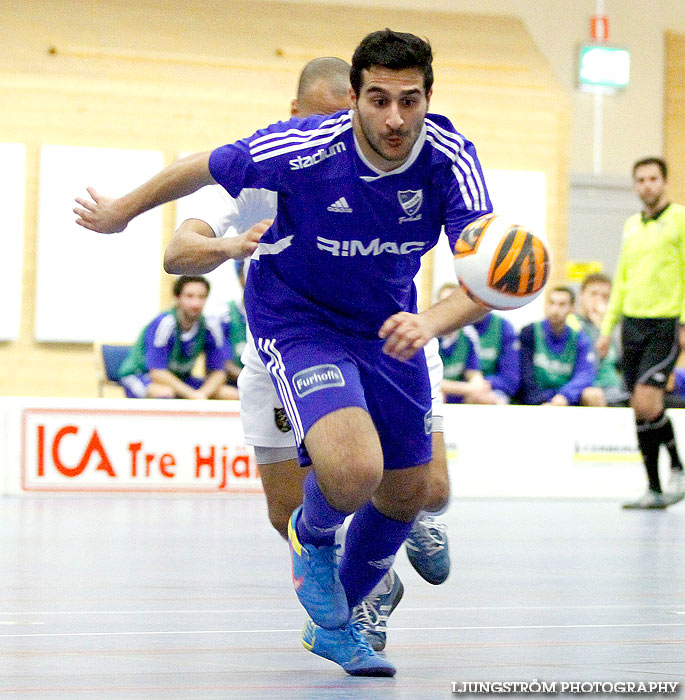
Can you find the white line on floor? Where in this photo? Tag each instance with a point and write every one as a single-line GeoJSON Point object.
{"type": "Point", "coordinates": [394, 629]}
{"type": "Point", "coordinates": [264, 611]}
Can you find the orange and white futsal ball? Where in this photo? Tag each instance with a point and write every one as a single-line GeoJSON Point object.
{"type": "Point", "coordinates": [499, 263]}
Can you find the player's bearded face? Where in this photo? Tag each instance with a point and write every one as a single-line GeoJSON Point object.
{"type": "Point", "coordinates": [649, 184]}
{"type": "Point", "coordinates": [559, 306]}
{"type": "Point", "coordinates": [390, 112]}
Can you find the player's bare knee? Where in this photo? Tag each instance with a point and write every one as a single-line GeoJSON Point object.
{"type": "Point", "coordinates": [647, 402]}
{"type": "Point", "coordinates": [593, 396]}
{"type": "Point", "coordinates": [438, 492]}
{"type": "Point", "coordinates": [348, 488]}
{"type": "Point", "coordinates": [647, 414]}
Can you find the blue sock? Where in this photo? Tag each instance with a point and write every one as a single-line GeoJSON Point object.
{"type": "Point", "coordinates": [370, 547]}
{"type": "Point", "coordinates": [319, 520]}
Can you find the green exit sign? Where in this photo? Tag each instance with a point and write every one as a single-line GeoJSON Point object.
{"type": "Point", "coordinates": [603, 68]}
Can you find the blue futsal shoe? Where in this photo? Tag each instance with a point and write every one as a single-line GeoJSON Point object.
{"type": "Point", "coordinates": [427, 550]}
{"type": "Point", "coordinates": [348, 648]}
{"type": "Point", "coordinates": [316, 580]}
{"type": "Point", "coordinates": [371, 615]}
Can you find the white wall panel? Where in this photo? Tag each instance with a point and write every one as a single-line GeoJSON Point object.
{"type": "Point", "coordinates": [12, 185]}
{"type": "Point", "coordinates": [91, 286]}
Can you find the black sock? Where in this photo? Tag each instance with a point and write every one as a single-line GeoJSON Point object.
{"type": "Point", "coordinates": [649, 441]}
{"type": "Point", "coordinates": [668, 439]}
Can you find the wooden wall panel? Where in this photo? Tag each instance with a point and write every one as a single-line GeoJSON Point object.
{"type": "Point", "coordinates": [163, 75]}
{"type": "Point", "coordinates": [674, 114]}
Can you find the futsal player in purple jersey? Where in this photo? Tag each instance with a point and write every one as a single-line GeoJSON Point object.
{"type": "Point", "coordinates": [335, 315]}
{"type": "Point", "coordinates": [208, 238]}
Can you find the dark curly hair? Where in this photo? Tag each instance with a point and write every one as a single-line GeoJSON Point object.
{"type": "Point", "coordinates": [395, 50]}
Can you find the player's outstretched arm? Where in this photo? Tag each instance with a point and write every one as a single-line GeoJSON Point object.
{"type": "Point", "coordinates": [406, 333]}
{"type": "Point", "coordinates": [111, 215]}
{"type": "Point", "coordinates": [195, 250]}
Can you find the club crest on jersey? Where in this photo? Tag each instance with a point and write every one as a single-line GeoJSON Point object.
{"type": "Point", "coordinates": [411, 201]}
{"type": "Point", "coordinates": [281, 420]}
{"type": "Point", "coordinates": [318, 377]}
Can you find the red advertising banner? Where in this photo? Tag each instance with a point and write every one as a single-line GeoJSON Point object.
{"type": "Point", "coordinates": [128, 450]}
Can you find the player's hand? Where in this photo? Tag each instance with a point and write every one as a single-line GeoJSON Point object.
{"type": "Point", "coordinates": [101, 214]}
{"type": "Point", "coordinates": [198, 395]}
{"type": "Point", "coordinates": [246, 243]}
{"type": "Point", "coordinates": [559, 400]}
{"type": "Point", "coordinates": [405, 334]}
{"type": "Point", "coordinates": [602, 346]}
{"type": "Point", "coordinates": [480, 392]}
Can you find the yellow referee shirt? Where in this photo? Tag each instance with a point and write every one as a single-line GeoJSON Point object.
{"type": "Point", "coordinates": [650, 277]}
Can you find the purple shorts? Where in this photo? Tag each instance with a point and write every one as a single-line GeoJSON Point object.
{"type": "Point", "coordinates": [314, 377]}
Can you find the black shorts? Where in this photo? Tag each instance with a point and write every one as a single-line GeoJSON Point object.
{"type": "Point", "coordinates": [650, 350]}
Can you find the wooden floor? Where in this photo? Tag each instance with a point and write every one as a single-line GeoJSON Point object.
{"type": "Point", "coordinates": [150, 598]}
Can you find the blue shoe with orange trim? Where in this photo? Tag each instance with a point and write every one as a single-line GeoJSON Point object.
{"type": "Point", "coordinates": [316, 580]}
{"type": "Point", "coordinates": [348, 648]}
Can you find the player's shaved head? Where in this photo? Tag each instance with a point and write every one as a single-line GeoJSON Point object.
{"type": "Point", "coordinates": [323, 87]}
{"type": "Point", "coordinates": [333, 71]}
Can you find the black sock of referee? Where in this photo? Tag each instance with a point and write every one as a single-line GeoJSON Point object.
{"type": "Point", "coordinates": [667, 438]}
{"type": "Point", "coordinates": [649, 441]}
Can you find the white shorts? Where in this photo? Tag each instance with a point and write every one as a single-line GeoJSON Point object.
{"type": "Point", "coordinates": [264, 421]}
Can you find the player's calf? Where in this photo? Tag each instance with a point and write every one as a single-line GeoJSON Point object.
{"type": "Point", "coordinates": [282, 482]}
{"type": "Point", "coordinates": [438, 490]}
{"type": "Point", "coordinates": [402, 493]}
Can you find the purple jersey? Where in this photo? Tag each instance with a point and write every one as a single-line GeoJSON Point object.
{"type": "Point", "coordinates": [161, 335]}
{"type": "Point", "coordinates": [348, 238]}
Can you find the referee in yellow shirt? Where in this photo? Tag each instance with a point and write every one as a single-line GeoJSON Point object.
{"type": "Point", "coordinates": [649, 297]}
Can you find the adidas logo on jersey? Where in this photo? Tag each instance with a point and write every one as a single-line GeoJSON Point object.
{"type": "Point", "coordinates": [340, 206]}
